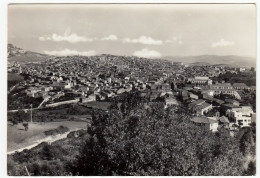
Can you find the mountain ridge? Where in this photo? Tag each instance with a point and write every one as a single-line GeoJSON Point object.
{"type": "Point", "coordinates": [21, 55]}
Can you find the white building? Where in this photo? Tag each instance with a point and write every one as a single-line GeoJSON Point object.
{"type": "Point", "coordinates": [200, 81]}
{"type": "Point", "coordinates": [242, 115]}
{"type": "Point", "coordinates": [225, 88]}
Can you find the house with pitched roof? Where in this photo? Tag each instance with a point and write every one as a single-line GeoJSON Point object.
{"type": "Point", "coordinates": [208, 122]}
{"type": "Point", "coordinates": [200, 107]}
{"type": "Point", "coordinates": [223, 121]}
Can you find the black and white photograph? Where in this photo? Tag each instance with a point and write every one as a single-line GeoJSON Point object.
{"type": "Point", "coordinates": [121, 89]}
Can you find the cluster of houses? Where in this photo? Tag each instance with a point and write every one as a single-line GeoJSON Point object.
{"type": "Point", "coordinates": [97, 78]}
{"type": "Point", "coordinates": [235, 117]}
{"type": "Point", "coordinates": [201, 99]}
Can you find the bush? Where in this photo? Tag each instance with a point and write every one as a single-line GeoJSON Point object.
{"type": "Point", "coordinates": [26, 126]}
{"type": "Point", "coordinates": [23, 156]}
{"type": "Point", "coordinates": [47, 152]}
{"type": "Point", "coordinates": [78, 133]}
{"type": "Point", "coordinates": [60, 130]}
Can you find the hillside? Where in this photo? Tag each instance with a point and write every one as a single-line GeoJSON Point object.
{"type": "Point", "coordinates": [21, 55]}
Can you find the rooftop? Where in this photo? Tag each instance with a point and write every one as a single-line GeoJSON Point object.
{"type": "Point", "coordinates": [203, 120]}
{"type": "Point", "coordinates": [239, 85]}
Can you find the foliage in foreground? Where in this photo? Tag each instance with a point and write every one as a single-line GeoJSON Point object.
{"type": "Point", "coordinates": [154, 142]}
{"type": "Point", "coordinates": [141, 139]}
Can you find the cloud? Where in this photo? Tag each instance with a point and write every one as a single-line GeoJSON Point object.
{"type": "Point", "coordinates": [110, 37]}
{"type": "Point", "coordinates": [143, 40]}
{"type": "Point", "coordinates": [174, 40]}
{"type": "Point", "coordinates": [222, 43]}
{"type": "Point", "coordinates": [42, 38]}
{"type": "Point", "coordinates": [68, 52]}
{"type": "Point", "coordinates": [147, 53]}
{"type": "Point", "coordinates": [168, 41]}
{"type": "Point", "coordinates": [67, 36]}
{"type": "Point", "coordinates": [46, 38]}
{"type": "Point", "coordinates": [72, 38]}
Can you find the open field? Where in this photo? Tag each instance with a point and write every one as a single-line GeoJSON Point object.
{"type": "Point", "coordinates": [18, 138]}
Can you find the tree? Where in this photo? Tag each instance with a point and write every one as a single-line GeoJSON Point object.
{"type": "Point", "coordinates": [35, 169]}
{"type": "Point", "coordinates": [20, 116]}
{"type": "Point", "coordinates": [156, 142]}
{"type": "Point", "coordinates": [47, 152]}
{"type": "Point", "coordinates": [26, 126]}
{"type": "Point", "coordinates": [251, 170]}
{"type": "Point", "coordinates": [14, 121]}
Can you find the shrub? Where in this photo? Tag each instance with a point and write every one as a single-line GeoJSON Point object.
{"type": "Point", "coordinates": [60, 130]}
{"type": "Point", "coordinates": [35, 169]}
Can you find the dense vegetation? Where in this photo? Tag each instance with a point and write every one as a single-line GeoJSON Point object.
{"type": "Point", "coordinates": [154, 142]}
{"type": "Point", "coordinates": [142, 139]}
{"type": "Point", "coordinates": [249, 78]}
{"type": "Point", "coordinates": [248, 98]}
{"type": "Point", "coordinates": [13, 79]}
{"type": "Point", "coordinates": [22, 101]}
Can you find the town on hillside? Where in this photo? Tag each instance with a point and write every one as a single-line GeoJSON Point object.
{"type": "Point", "coordinates": [113, 89]}
{"type": "Point", "coordinates": [213, 101]}
{"type": "Point", "coordinates": [216, 97]}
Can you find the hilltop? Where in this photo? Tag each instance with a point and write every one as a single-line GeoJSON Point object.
{"type": "Point", "coordinates": [21, 55]}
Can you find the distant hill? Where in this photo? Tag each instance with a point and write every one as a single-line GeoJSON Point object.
{"type": "Point", "coordinates": [21, 55]}
{"type": "Point", "coordinates": [237, 61]}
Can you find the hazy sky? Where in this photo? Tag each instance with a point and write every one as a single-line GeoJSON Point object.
{"type": "Point", "coordinates": [140, 29]}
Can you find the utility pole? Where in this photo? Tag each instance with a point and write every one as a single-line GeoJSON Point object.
{"type": "Point", "coordinates": [27, 171]}
{"type": "Point", "coordinates": [31, 113]}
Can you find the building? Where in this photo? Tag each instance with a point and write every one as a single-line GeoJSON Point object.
{"type": "Point", "coordinates": [231, 101]}
{"type": "Point", "coordinates": [252, 88]}
{"type": "Point", "coordinates": [200, 107]}
{"type": "Point", "coordinates": [223, 121]}
{"type": "Point", "coordinates": [208, 122]}
{"type": "Point", "coordinates": [200, 81]}
{"type": "Point", "coordinates": [171, 100]}
{"type": "Point", "coordinates": [240, 86]}
{"type": "Point", "coordinates": [224, 88]}
{"type": "Point", "coordinates": [242, 116]}
{"type": "Point", "coordinates": [240, 69]}
{"type": "Point", "coordinates": [193, 96]}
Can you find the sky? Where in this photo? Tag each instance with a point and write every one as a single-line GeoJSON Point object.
{"type": "Point", "coordinates": [144, 30]}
